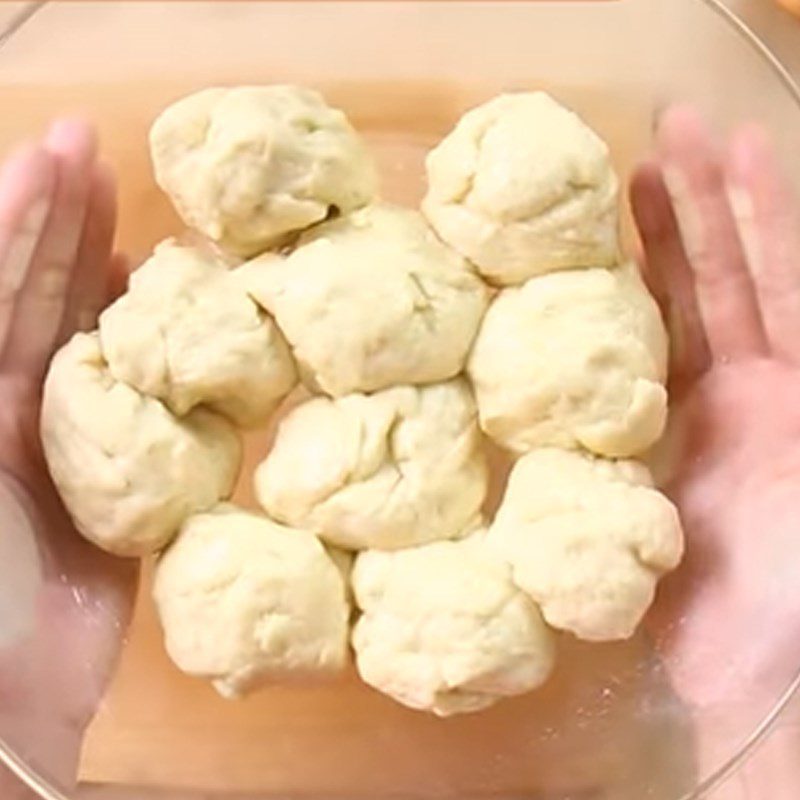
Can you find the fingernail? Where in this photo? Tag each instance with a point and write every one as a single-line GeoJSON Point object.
{"type": "Point", "coordinates": [69, 135]}
{"type": "Point", "coordinates": [739, 161]}
{"type": "Point", "coordinates": [743, 209]}
{"type": "Point", "coordinates": [25, 159]}
{"type": "Point", "coordinates": [19, 255]}
{"type": "Point", "coordinates": [748, 150]}
{"type": "Point", "coordinates": [741, 202]}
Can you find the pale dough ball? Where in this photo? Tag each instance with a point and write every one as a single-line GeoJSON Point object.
{"type": "Point", "coordinates": [248, 165]}
{"type": "Point", "coordinates": [522, 186]}
{"type": "Point", "coordinates": [128, 471]}
{"type": "Point", "coordinates": [372, 300]}
{"type": "Point", "coordinates": [188, 333]}
{"type": "Point", "coordinates": [587, 539]}
{"type": "Point", "coordinates": [573, 359]}
{"type": "Point", "coordinates": [244, 600]}
{"type": "Point", "coordinates": [387, 470]}
{"type": "Point", "coordinates": [443, 628]}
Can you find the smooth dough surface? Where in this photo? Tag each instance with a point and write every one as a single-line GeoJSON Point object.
{"type": "Point", "coordinates": [372, 300]}
{"type": "Point", "coordinates": [444, 630]}
{"type": "Point", "coordinates": [128, 471]}
{"type": "Point", "coordinates": [244, 600]}
{"type": "Point", "coordinates": [587, 539]}
{"type": "Point", "coordinates": [387, 470]}
{"type": "Point", "coordinates": [248, 165]}
{"type": "Point", "coordinates": [573, 359]}
{"type": "Point", "coordinates": [522, 186]}
{"type": "Point", "coordinates": [188, 333]}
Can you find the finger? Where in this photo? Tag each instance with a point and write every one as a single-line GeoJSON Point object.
{"type": "Point", "coordinates": [27, 182]}
{"type": "Point", "coordinates": [668, 273]}
{"type": "Point", "coordinates": [89, 286]}
{"type": "Point", "coordinates": [768, 218]}
{"type": "Point", "coordinates": [42, 300]}
{"type": "Point", "coordinates": [725, 294]}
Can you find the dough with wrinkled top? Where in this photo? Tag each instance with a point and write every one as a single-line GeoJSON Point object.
{"type": "Point", "coordinates": [244, 600]}
{"type": "Point", "coordinates": [573, 359]}
{"type": "Point", "coordinates": [372, 300]}
{"type": "Point", "coordinates": [387, 470]}
{"type": "Point", "coordinates": [248, 165]}
{"type": "Point", "coordinates": [522, 186]}
{"type": "Point", "coordinates": [587, 539]}
{"type": "Point", "coordinates": [128, 471]}
{"type": "Point", "coordinates": [443, 629]}
{"type": "Point", "coordinates": [188, 333]}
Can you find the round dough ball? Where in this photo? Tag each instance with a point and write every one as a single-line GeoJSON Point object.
{"type": "Point", "coordinates": [248, 165]}
{"type": "Point", "coordinates": [522, 186]}
{"type": "Point", "coordinates": [188, 333]}
{"type": "Point", "coordinates": [387, 470]}
{"type": "Point", "coordinates": [587, 539]}
{"type": "Point", "coordinates": [443, 628]}
{"type": "Point", "coordinates": [243, 600]}
{"type": "Point", "coordinates": [573, 359]}
{"type": "Point", "coordinates": [372, 300]}
{"type": "Point", "coordinates": [128, 471]}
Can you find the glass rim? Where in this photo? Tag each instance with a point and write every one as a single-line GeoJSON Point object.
{"type": "Point", "coordinates": [46, 791]}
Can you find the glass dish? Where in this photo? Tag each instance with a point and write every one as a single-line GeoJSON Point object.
{"type": "Point", "coordinates": [404, 72]}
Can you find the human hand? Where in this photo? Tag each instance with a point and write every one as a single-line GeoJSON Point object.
{"type": "Point", "coordinates": [57, 269]}
{"type": "Point", "coordinates": [721, 238]}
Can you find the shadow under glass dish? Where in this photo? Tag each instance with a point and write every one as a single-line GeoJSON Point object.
{"type": "Point", "coordinates": [608, 725]}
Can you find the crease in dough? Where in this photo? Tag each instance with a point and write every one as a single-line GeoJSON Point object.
{"type": "Point", "coordinates": [587, 539]}
{"type": "Point", "coordinates": [573, 359]}
{"type": "Point", "coordinates": [371, 300]}
{"type": "Point", "coordinates": [187, 332]}
{"type": "Point", "coordinates": [128, 471]}
{"type": "Point", "coordinates": [522, 186]}
{"type": "Point", "coordinates": [443, 629]}
{"type": "Point", "coordinates": [387, 470]}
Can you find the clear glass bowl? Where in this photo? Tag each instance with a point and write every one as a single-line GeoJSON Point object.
{"type": "Point", "coordinates": [404, 71]}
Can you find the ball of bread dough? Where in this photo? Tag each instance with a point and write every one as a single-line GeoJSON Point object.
{"type": "Point", "coordinates": [522, 186]}
{"type": "Point", "coordinates": [573, 359]}
{"type": "Point", "coordinates": [243, 600]}
{"type": "Point", "coordinates": [443, 628]}
{"type": "Point", "coordinates": [188, 333]}
{"type": "Point", "coordinates": [372, 300]}
{"type": "Point", "coordinates": [248, 165]}
{"type": "Point", "coordinates": [387, 470]}
{"type": "Point", "coordinates": [587, 539]}
{"type": "Point", "coordinates": [128, 471]}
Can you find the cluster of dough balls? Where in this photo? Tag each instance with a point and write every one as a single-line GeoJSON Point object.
{"type": "Point", "coordinates": [500, 310]}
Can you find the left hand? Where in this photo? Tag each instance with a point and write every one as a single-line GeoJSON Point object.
{"type": "Point", "coordinates": [57, 270]}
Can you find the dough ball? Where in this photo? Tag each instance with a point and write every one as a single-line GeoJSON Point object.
{"type": "Point", "coordinates": [372, 300]}
{"type": "Point", "coordinates": [587, 539]}
{"type": "Point", "coordinates": [248, 165]}
{"type": "Point", "coordinates": [443, 628]}
{"type": "Point", "coordinates": [244, 600]}
{"type": "Point", "coordinates": [387, 470]}
{"type": "Point", "coordinates": [188, 333]}
{"type": "Point", "coordinates": [128, 471]}
{"type": "Point", "coordinates": [522, 186]}
{"type": "Point", "coordinates": [573, 359]}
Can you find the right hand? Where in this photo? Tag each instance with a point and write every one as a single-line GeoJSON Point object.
{"type": "Point", "coordinates": [727, 275]}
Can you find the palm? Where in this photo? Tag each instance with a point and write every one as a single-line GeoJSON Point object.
{"type": "Point", "coordinates": [736, 482]}
{"type": "Point", "coordinates": [57, 217]}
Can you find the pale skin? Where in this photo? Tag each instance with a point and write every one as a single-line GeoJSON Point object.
{"type": "Point", "coordinates": [727, 276]}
